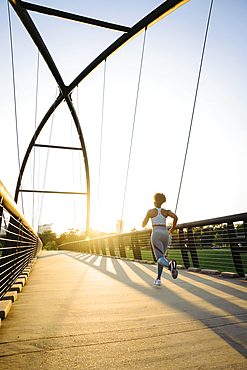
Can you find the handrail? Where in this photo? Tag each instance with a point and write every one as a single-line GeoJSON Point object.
{"type": "Point", "coordinates": [217, 244]}
{"type": "Point", "coordinates": [12, 207]}
{"type": "Point", "coordinates": [215, 221]}
{"type": "Point", "coordinates": [19, 244]}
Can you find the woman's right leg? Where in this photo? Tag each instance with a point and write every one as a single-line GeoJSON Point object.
{"type": "Point", "coordinates": [160, 269]}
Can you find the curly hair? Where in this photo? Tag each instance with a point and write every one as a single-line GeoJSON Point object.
{"type": "Point", "coordinates": [159, 198]}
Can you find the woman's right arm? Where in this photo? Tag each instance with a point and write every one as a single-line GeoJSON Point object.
{"type": "Point", "coordinates": [175, 220]}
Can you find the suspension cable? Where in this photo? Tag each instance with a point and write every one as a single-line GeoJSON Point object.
{"type": "Point", "coordinates": [102, 120]}
{"type": "Point", "coordinates": [73, 172]}
{"type": "Point", "coordinates": [35, 126]}
{"type": "Point", "coordinates": [133, 126]}
{"type": "Point", "coordinates": [78, 114]}
{"type": "Point", "coordinates": [14, 93]}
{"type": "Point", "coordinates": [47, 158]}
{"type": "Point", "coordinates": [80, 162]}
{"type": "Point", "coordinates": [193, 110]}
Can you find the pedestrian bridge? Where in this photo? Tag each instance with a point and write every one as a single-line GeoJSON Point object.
{"type": "Point", "coordinates": [86, 311]}
{"type": "Point", "coordinates": [92, 304]}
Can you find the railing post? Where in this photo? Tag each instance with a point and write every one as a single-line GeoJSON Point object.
{"type": "Point", "coordinates": [1, 246]}
{"type": "Point", "coordinates": [184, 248]}
{"type": "Point", "coordinates": [18, 243]}
{"type": "Point", "coordinates": [86, 246]}
{"type": "Point", "coordinates": [236, 244]}
{"type": "Point", "coordinates": [97, 246]}
{"type": "Point", "coordinates": [22, 250]}
{"type": "Point", "coordinates": [135, 244]}
{"type": "Point", "coordinates": [192, 246]}
{"type": "Point", "coordinates": [1, 211]}
{"type": "Point", "coordinates": [103, 248]}
{"type": "Point", "coordinates": [8, 254]}
{"type": "Point", "coordinates": [36, 246]}
{"type": "Point", "coordinates": [111, 247]}
{"type": "Point", "coordinates": [92, 247]}
{"type": "Point", "coordinates": [245, 233]}
{"type": "Point", "coordinates": [121, 246]}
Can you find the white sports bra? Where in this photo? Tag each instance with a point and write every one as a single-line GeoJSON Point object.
{"type": "Point", "coordinates": [159, 220]}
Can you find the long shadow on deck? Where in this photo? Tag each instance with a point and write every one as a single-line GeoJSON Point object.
{"type": "Point", "coordinates": [226, 297]}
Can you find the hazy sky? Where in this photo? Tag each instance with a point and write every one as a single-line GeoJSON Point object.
{"type": "Point", "coordinates": [215, 178]}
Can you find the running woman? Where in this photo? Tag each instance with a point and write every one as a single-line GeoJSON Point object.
{"type": "Point", "coordinates": [160, 235]}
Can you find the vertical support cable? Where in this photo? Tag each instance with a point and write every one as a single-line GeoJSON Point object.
{"type": "Point", "coordinates": [78, 114]}
{"type": "Point", "coordinates": [14, 92]}
{"type": "Point", "coordinates": [193, 110]}
{"type": "Point", "coordinates": [102, 121]}
{"type": "Point", "coordinates": [47, 159]}
{"type": "Point", "coordinates": [133, 126]}
{"type": "Point", "coordinates": [35, 125]}
{"type": "Point", "coordinates": [80, 165]}
{"type": "Point", "coordinates": [73, 173]}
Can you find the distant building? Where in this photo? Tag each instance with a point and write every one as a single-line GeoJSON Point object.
{"type": "Point", "coordinates": [119, 226]}
{"type": "Point", "coordinates": [46, 227]}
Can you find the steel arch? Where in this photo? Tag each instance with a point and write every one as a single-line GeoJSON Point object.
{"type": "Point", "coordinates": [21, 7]}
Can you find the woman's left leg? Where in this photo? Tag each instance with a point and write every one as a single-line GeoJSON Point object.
{"type": "Point", "coordinates": [163, 261]}
{"type": "Point", "coordinates": [160, 241]}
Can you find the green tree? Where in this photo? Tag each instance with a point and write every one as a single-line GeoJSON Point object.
{"type": "Point", "coordinates": [47, 236]}
{"type": "Point", "coordinates": [51, 245]}
{"type": "Point", "coordinates": [63, 238]}
{"type": "Point", "coordinates": [72, 236]}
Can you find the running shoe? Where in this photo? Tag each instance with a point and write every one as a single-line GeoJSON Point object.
{"type": "Point", "coordinates": [172, 267]}
{"type": "Point", "coordinates": [157, 282]}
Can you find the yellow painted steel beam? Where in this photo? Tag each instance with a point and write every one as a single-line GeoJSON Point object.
{"type": "Point", "coordinates": [13, 208]}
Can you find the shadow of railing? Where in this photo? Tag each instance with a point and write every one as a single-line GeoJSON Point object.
{"type": "Point", "coordinates": [219, 304]}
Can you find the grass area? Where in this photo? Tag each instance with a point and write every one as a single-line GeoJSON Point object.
{"type": "Point", "coordinates": [218, 259]}
{"type": "Point", "coordinates": [145, 255]}
{"type": "Point", "coordinates": [129, 254]}
{"type": "Point", "coordinates": [213, 259]}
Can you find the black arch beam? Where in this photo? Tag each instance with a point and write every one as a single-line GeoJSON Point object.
{"type": "Point", "coordinates": [48, 114]}
{"type": "Point", "coordinates": [157, 14]}
{"type": "Point", "coordinates": [73, 17]}
{"type": "Point", "coordinates": [64, 94]}
{"type": "Point", "coordinates": [160, 12]}
{"type": "Point", "coordinates": [38, 41]}
{"type": "Point", "coordinates": [32, 143]}
{"type": "Point", "coordinates": [56, 147]}
{"type": "Point", "coordinates": [52, 192]}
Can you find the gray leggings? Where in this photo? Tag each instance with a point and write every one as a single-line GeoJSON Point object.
{"type": "Point", "coordinates": [160, 240]}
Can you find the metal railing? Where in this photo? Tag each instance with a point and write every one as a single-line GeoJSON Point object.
{"type": "Point", "coordinates": [214, 244]}
{"type": "Point", "coordinates": [19, 244]}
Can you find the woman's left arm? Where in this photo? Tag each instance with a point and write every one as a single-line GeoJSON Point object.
{"type": "Point", "coordinates": [145, 221]}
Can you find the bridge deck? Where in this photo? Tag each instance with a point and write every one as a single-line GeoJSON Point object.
{"type": "Point", "coordinates": [82, 311]}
